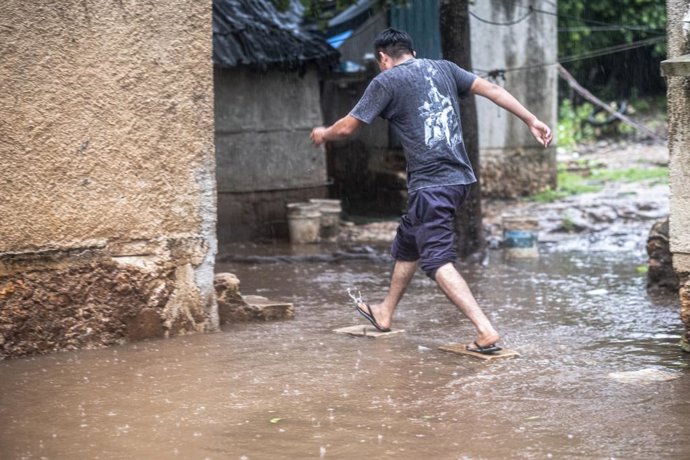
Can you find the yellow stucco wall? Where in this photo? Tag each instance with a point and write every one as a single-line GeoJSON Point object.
{"type": "Point", "coordinates": [106, 140]}
{"type": "Point", "coordinates": [105, 120]}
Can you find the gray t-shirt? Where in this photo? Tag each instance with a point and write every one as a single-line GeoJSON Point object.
{"type": "Point", "coordinates": [420, 99]}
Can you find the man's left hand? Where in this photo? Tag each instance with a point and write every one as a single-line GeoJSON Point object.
{"type": "Point", "coordinates": [541, 132]}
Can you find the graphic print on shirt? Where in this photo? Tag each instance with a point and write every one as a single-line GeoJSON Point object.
{"type": "Point", "coordinates": [440, 120]}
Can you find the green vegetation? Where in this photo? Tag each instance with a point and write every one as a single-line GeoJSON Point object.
{"type": "Point", "coordinates": [658, 175]}
{"type": "Point", "coordinates": [613, 46]}
{"type": "Point", "coordinates": [568, 224]}
{"type": "Point", "coordinates": [570, 183]}
{"type": "Point", "coordinates": [572, 124]}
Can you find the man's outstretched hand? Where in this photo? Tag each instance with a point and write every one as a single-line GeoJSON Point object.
{"type": "Point", "coordinates": [541, 132]}
{"type": "Point", "coordinates": [317, 135]}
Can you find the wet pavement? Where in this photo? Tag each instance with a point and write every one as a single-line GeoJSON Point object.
{"type": "Point", "coordinates": [293, 389]}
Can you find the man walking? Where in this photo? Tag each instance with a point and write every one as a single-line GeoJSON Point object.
{"type": "Point", "coordinates": [421, 100]}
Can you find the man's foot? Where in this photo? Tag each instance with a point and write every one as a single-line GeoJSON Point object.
{"type": "Point", "coordinates": [372, 312]}
{"type": "Point", "coordinates": [364, 310]}
{"type": "Point", "coordinates": [485, 350]}
{"type": "Point", "coordinates": [485, 342]}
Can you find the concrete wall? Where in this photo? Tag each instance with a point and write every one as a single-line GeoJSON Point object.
{"type": "Point", "coordinates": [107, 184]}
{"type": "Point", "coordinates": [678, 94]}
{"type": "Point", "coordinates": [263, 152]}
{"type": "Point", "coordinates": [512, 162]}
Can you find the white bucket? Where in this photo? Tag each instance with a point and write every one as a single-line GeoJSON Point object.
{"type": "Point", "coordinates": [304, 222]}
{"type": "Point", "coordinates": [330, 216]}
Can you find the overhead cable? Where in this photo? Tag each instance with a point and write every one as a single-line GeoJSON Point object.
{"type": "Point", "coordinates": [587, 55]}
{"type": "Point", "coordinates": [591, 21]}
{"type": "Point", "coordinates": [494, 23]}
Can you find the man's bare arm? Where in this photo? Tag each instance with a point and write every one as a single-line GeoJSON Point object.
{"type": "Point", "coordinates": [503, 98]}
{"type": "Point", "coordinates": [341, 129]}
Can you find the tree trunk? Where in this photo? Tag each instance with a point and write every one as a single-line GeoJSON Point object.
{"type": "Point", "coordinates": [455, 43]}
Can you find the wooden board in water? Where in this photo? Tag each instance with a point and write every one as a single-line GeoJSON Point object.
{"type": "Point", "coordinates": [367, 331]}
{"type": "Point", "coordinates": [461, 349]}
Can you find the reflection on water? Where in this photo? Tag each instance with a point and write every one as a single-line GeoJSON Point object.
{"type": "Point", "coordinates": [294, 389]}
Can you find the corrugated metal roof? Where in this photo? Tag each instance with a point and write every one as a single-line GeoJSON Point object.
{"type": "Point", "coordinates": [254, 33]}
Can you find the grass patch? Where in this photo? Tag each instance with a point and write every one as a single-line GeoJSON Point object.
{"type": "Point", "coordinates": [568, 184]}
{"type": "Point", "coordinates": [574, 184]}
{"type": "Point", "coordinates": [658, 174]}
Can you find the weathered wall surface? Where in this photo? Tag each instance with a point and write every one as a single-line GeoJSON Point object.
{"type": "Point", "coordinates": [107, 190]}
{"type": "Point", "coordinates": [513, 163]}
{"type": "Point", "coordinates": [264, 155]}
{"type": "Point", "coordinates": [678, 94]}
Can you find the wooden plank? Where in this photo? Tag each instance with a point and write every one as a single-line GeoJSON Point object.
{"type": "Point", "coordinates": [461, 349]}
{"type": "Point", "coordinates": [367, 331]}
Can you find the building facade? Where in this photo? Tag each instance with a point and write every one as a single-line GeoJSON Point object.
{"type": "Point", "coordinates": [267, 70]}
{"type": "Point", "coordinates": [107, 189]}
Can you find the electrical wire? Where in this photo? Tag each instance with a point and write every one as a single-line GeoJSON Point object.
{"type": "Point", "coordinates": [590, 54]}
{"type": "Point", "coordinates": [613, 28]}
{"type": "Point", "coordinates": [494, 23]}
{"type": "Point", "coordinates": [590, 21]}
{"type": "Point", "coordinates": [613, 49]}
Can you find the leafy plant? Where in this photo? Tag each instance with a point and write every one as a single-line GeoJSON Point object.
{"type": "Point", "coordinates": [572, 125]}
{"type": "Point", "coordinates": [568, 224]}
{"type": "Point", "coordinates": [587, 32]}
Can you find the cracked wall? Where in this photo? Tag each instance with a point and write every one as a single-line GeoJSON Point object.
{"type": "Point", "coordinates": [107, 187]}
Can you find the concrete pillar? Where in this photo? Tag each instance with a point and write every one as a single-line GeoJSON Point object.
{"type": "Point", "coordinates": [107, 185]}
{"type": "Point", "coordinates": [513, 163]}
{"type": "Point", "coordinates": [678, 94]}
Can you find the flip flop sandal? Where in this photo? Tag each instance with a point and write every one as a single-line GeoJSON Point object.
{"type": "Point", "coordinates": [486, 350]}
{"type": "Point", "coordinates": [368, 314]}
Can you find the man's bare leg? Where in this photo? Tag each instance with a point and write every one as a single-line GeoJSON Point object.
{"type": "Point", "coordinates": [402, 275]}
{"type": "Point", "coordinates": [457, 290]}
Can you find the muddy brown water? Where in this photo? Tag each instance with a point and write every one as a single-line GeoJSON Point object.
{"type": "Point", "coordinates": [294, 389]}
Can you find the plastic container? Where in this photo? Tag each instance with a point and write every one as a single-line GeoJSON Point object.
{"type": "Point", "coordinates": [304, 222]}
{"type": "Point", "coordinates": [330, 216]}
{"type": "Point", "coordinates": [520, 237]}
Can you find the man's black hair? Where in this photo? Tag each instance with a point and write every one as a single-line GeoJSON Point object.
{"type": "Point", "coordinates": [394, 43]}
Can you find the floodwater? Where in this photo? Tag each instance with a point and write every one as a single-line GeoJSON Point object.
{"type": "Point", "coordinates": [293, 389]}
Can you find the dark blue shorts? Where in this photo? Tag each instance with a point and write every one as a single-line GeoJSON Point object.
{"type": "Point", "coordinates": [426, 232]}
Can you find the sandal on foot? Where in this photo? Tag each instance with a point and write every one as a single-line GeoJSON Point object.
{"type": "Point", "coordinates": [486, 350]}
{"type": "Point", "coordinates": [368, 314]}
{"type": "Point", "coordinates": [356, 297]}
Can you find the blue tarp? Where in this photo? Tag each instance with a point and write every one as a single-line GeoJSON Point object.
{"type": "Point", "coordinates": [338, 40]}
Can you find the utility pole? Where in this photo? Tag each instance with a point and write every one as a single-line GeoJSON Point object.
{"type": "Point", "coordinates": [455, 43]}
